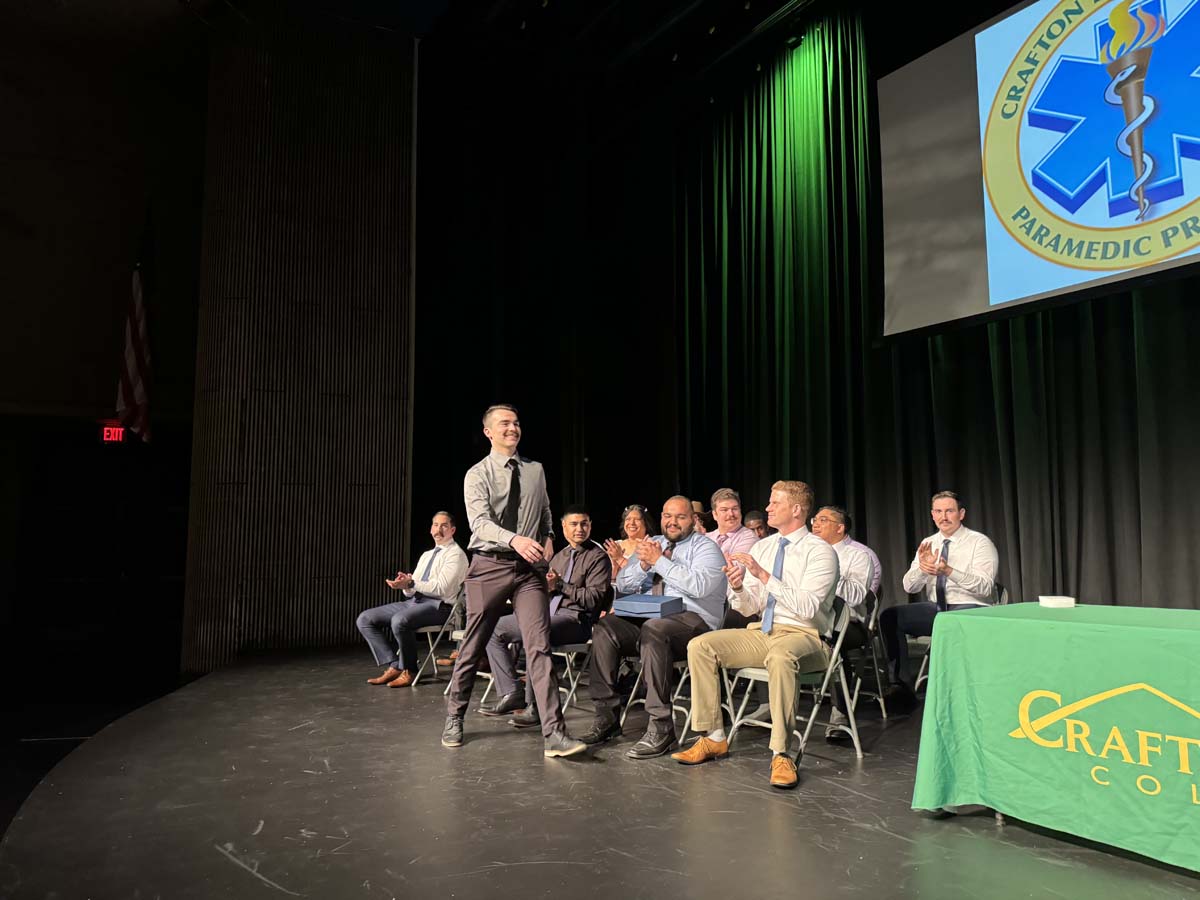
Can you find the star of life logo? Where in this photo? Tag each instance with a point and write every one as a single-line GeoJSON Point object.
{"type": "Point", "coordinates": [1091, 144]}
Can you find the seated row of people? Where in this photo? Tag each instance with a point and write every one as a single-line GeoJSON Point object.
{"type": "Point", "coordinates": [776, 591]}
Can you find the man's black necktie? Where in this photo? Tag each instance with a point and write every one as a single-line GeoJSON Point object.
{"type": "Point", "coordinates": [509, 520]}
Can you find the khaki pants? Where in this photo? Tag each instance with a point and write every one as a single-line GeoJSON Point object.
{"type": "Point", "coordinates": [784, 652]}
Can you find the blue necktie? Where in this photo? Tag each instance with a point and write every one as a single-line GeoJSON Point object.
{"type": "Point", "coordinates": [429, 568]}
{"type": "Point", "coordinates": [768, 618]}
{"type": "Point", "coordinates": [941, 579]}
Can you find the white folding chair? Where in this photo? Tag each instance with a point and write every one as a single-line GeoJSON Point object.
{"type": "Point", "coordinates": [680, 666]}
{"type": "Point", "coordinates": [571, 654]}
{"type": "Point", "coordinates": [818, 684]}
{"type": "Point", "coordinates": [922, 644]}
{"type": "Point", "coordinates": [434, 633]}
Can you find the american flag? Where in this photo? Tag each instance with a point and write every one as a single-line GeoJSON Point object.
{"type": "Point", "coordinates": [133, 388]}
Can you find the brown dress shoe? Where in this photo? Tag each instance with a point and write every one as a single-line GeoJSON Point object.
{"type": "Point", "coordinates": [783, 771]}
{"type": "Point", "coordinates": [389, 675]}
{"type": "Point", "coordinates": [448, 660]}
{"type": "Point", "coordinates": [702, 751]}
{"type": "Point", "coordinates": [404, 679]}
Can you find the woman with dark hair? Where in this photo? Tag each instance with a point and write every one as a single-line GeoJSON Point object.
{"type": "Point", "coordinates": [635, 526]}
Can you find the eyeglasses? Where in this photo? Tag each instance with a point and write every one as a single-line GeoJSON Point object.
{"type": "Point", "coordinates": [823, 520]}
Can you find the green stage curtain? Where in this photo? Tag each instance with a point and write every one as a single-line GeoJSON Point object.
{"type": "Point", "coordinates": [1069, 431]}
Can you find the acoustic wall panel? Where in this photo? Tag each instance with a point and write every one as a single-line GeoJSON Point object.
{"type": "Point", "coordinates": [302, 446]}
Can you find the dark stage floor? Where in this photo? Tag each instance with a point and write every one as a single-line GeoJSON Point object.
{"type": "Point", "coordinates": [294, 778]}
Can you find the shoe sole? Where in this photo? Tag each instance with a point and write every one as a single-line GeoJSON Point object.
{"type": "Point", "coordinates": [495, 715]}
{"type": "Point", "coordinates": [451, 744]}
{"type": "Point", "coordinates": [784, 787]}
{"type": "Point", "coordinates": [574, 751]}
{"type": "Point", "coordinates": [632, 755]}
{"type": "Point", "coordinates": [696, 762]}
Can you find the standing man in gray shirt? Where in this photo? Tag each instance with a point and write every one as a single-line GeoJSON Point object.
{"type": "Point", "coordinates": [512, 538]}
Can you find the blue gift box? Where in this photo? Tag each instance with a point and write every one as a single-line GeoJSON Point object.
{"type": "Point", "coordinates": [647, 606]}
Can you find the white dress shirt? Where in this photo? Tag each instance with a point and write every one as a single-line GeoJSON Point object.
{"type": "Point", "coordinates": [854, 578]}
{"type": "Point", "coordinates": [973, 563]}
{"type": "Point", "coordinates": [877, 569]}
{"type": "Point", "coordinates": [445, 578]}
{"type": "Point", "coordinates": [804, 595]}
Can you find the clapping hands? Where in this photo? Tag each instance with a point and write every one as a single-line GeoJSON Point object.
{"type": "Point", "coordinates": [930, 562]}
{"type": "Point", "coordinates": [402, 581]}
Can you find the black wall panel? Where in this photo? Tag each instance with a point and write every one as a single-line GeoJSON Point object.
{"type": "Point", "coordinates": [302, 440]}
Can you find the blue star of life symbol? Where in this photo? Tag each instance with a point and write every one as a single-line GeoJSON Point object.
{"type": "Point", "coordinates": [1088, 158]}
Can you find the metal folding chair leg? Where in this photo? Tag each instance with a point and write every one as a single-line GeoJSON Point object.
{"type": "Point", "coordinates": [677, 708]}
{"type": "Point", "coordinates": [680, 665]}
{"type": "Point", "coordinates": [434, 638]}
{"type": "Point", "coordinates": [818, 701]}
{"type": "Point", "coordinates": [637, 682]}
{"type": "Point", "coordinates": [761, 716]}
{"type": "Point", "coordinates": [879, 695]}
{"type": "Point", "coordinates": [574, 673]}
{"type": "Point", "coordinates": [922, 674]}
{"type": "Point", "coordinates": [457, 635]}
{"type": "Point", "coordinates": [853, 726]}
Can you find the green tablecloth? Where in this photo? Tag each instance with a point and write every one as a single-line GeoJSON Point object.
{"type": "Point", "coordinates": [1083, 720]}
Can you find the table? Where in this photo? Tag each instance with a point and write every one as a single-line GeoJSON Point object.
{"type": "Point", "coordinates": [1081, 720]}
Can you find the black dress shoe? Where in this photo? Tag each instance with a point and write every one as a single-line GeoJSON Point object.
{"type": "Point", "coordinates": [602, 730]}
{"type": "Point", "coordinates": [562, 744]}
{"type": "Point", "coordinates": [653, 743]}
{"type": "Point", "coordinates": [527, 718]}
{"type": "Point", "coordinates": [452, 734]}
{"type": "Point", "coordinates": [506, 704]}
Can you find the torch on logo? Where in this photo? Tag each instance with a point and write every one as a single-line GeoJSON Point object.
{"type": "Point", "coordinates": [1091, 143]}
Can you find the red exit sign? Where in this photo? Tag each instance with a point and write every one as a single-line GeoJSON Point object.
{"type": "Point", "coordinates": [112, 434]}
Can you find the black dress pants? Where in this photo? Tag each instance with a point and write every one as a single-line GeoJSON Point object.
{"type": "Point", "coordinates": [660, 643]}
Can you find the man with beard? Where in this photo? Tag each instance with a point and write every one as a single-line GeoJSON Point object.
{"type": "Point", "coordinates": [687, 565]}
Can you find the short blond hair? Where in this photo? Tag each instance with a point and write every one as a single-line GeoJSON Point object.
{"type": "Point", "coordinates": [798, 493]}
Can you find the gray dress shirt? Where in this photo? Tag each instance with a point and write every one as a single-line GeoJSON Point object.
{"type": "Point", "coordinates": [485, 491]}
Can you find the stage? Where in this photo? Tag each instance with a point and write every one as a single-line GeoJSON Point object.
{"type": "Point", "coordinates": [290, 776]}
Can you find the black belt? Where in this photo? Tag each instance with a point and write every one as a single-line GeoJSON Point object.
{"type": "Point", "coordinates": [499, 554]}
